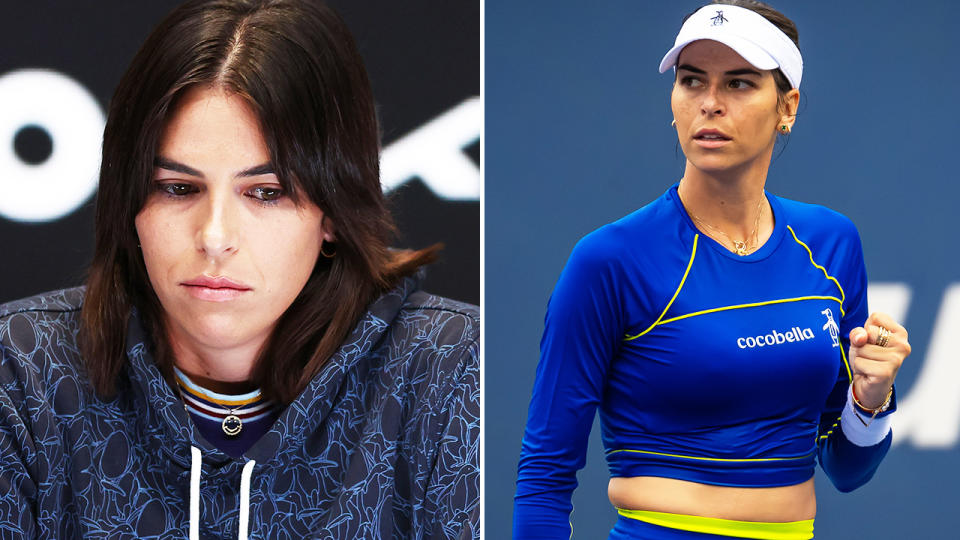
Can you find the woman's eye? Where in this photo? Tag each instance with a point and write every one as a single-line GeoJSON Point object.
{"type": "Point", "coordinates": [176, 189]}
{"type": "Point", "coordinates": [266, 194]}
{"type": "Point", "coordinates": [740, 83]}
{"type": "Point", "coordinates": [691, 82]}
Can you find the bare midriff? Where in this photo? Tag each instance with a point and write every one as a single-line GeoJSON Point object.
{"type": "Point", "coordinates": [769, 504]}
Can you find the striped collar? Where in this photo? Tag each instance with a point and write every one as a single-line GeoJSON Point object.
{"type": "Point", "coordinates": [215, 406]}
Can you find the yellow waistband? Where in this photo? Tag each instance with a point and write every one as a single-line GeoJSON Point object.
{"type": "Point", "coordinates": [793, 530]}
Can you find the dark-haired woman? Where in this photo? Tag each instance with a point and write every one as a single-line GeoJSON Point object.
{"type": "Point", "coordinates": [248, 358]}
{"type": "Point", "coordinates": [722, 331]}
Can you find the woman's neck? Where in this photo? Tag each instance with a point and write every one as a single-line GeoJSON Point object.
{"type": "Point", "coordinates": [729, 201]}
{"type": "Point", "coordinates": [227, 371]}
{"type": "Point", "coordinates": [219, 386]}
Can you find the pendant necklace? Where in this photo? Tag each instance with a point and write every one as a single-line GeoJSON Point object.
{"type": "Point", "coordinates": [740, 247]}
{"type": "Point", "coordinates": [231, 424]}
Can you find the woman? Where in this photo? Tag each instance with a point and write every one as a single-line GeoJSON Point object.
{"type": "Point", "coordinates": [248, 358]}
{"type": "Point", "coordinates": [723, 332]}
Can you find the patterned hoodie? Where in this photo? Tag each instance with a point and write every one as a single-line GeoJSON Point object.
{"type": "Point", "coordinates": [383, 442]}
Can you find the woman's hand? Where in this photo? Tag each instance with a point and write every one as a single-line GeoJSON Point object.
{"type": "Point", "coordinates": [875, 367]}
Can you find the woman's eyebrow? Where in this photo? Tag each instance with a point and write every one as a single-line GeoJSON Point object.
{"type": "Point", "coordinates": [256, 170]}
{"type": "Point", "coordinates": [741, 71]}
{"type": "Point", "coordinates": [688, 67]}
{"type": "Point", "coordinates": [744, 71]}
{"type": "Point", "coordinates": [171, 165]}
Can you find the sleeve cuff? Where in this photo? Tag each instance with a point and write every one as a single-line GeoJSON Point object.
{"type": "Point", "coordinates": [859, 429]}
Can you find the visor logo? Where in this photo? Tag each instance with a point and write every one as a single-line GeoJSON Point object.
{"type": "Point", "coordinates": [831, 326]}
{"type": "Point", "coordinates": [719, 19]}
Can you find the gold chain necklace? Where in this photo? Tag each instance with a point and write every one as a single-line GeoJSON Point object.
{"type": "Point", "coordinates": [740, 248]}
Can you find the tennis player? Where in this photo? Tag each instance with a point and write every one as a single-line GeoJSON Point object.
{"type": "Point", "coordinates": [248, 358]}
{"type": "Point", "coordinates": [722, 331]}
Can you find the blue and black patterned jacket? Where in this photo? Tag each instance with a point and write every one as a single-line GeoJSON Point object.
{"type": "Point", "coordinates": [383, 443]}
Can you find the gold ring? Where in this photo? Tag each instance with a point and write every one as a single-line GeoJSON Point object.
{"type": "Point", "coordinates": [883, 337]}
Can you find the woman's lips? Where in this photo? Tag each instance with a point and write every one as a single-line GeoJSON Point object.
{"type": "Point", "coordinates": [215, 289]}
{"type": "Point", "coordinates": [711, 143]}
{"type": "Point", "coordinates": [711, 138]}
{"type": "Point", "coordinates": [214, 295]}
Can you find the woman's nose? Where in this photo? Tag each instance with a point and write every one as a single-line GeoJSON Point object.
{"type": "Point", "coordinates": [712, 103]}
{"type": "Point", "coordinates": [216, 232]}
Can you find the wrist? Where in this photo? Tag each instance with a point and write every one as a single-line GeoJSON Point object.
{"type": "Point", "coordinates": [863, 429]}
{"type": "Point", "coordinates": [868, 406]}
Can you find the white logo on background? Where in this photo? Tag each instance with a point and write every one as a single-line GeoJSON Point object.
{"type": "Point", "coordinates": [718, 19]}
{"type": "Point", "coordinates": [928, 413]}
{"type": "Point", "coordinates": [775, 338]}
{"type": "Point", "coordinates": [832, 327]}
{"type": "Point", "coordinates": [434, 153]}
{"type": "Point", "coordinates": [71, 116]}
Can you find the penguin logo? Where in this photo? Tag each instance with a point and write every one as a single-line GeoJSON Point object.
{"type": "Point", "coordinates": [832, 327]}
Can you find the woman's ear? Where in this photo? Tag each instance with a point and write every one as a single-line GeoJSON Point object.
{"type": "Point", "coordinates": [327, 230]}
{"type": "Point", "coordinates": [789, 105]}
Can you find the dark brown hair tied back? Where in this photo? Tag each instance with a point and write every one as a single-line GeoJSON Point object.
{"type": "Point", "coordinates": [296, 65]}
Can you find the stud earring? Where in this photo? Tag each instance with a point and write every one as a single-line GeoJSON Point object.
{"type": "Point", "coordinates": [785, 129]}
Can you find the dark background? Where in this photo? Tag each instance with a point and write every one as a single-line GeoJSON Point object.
{"type": "Point", "coordinates": [578, 134]}
{"type": "Point", "coordinates": [423, 58]}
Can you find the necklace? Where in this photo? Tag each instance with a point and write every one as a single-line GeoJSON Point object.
{"type": "Point", "coordinates": [231, 424]}
{"type": "Point", "coordinates": [740, 247]}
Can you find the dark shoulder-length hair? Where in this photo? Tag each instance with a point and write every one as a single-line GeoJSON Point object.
{"type": "Point", "coordinates": [297, 67]}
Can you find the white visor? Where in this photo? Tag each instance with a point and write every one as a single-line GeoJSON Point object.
{"type": "Point", "coordinates": [747, 32]}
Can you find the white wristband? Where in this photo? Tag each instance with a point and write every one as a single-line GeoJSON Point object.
{"type": "Point", "coordinates": [853, 422]}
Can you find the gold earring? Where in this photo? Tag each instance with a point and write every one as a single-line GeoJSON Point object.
{"type": "Point", "coordinates": [324, 253]}
{"type": "Point", "coordinates": [785, 129]}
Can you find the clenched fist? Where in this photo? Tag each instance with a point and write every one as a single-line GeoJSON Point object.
{"type": "Point", "coordinates": [874, 367]}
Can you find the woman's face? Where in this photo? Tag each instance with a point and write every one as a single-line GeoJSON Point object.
{"type": "Point", "coordinates": [225, 248]}
{"type": "Point", "coordinates": [725, 109]}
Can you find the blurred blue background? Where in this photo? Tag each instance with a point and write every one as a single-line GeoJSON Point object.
{"type": "Point", "coordinates": [578, 134]}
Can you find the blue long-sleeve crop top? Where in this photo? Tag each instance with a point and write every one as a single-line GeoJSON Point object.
{"type": "Point", "coordinates": [706, 366]}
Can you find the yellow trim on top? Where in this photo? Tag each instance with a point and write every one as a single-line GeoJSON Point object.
{"type": "Point", "coordinates": [843, 297]}
{"type": "Point", "coordinates": [230, 403]}
{"type": "Point", "coordinates": [846, 364]}
{"type": "Point", "coordinates": [761, 530]}
{"type": "Point", "coordinates": [850, 377]}
{"type": "Point", "coordinates": [754, 304]}
{"type": "Point", "coordinates": [829, 431]}
{"type": "Point", "coordinates": [683, 280]}
{"type": "Point", "coordinates": [699, 458]}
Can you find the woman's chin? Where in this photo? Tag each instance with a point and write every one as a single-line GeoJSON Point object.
{"type": "Point", "coordinates": [716, 164]}
{"type": "Point", "coordinates": [220, 333]}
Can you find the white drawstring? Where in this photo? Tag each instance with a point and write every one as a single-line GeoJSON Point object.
{"type": "Point", "coordinates": [245, 498]}
{"type": "Point", "coordinates": [195, 494]}
{"type": "Point", "coordinates": [245, 475]}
